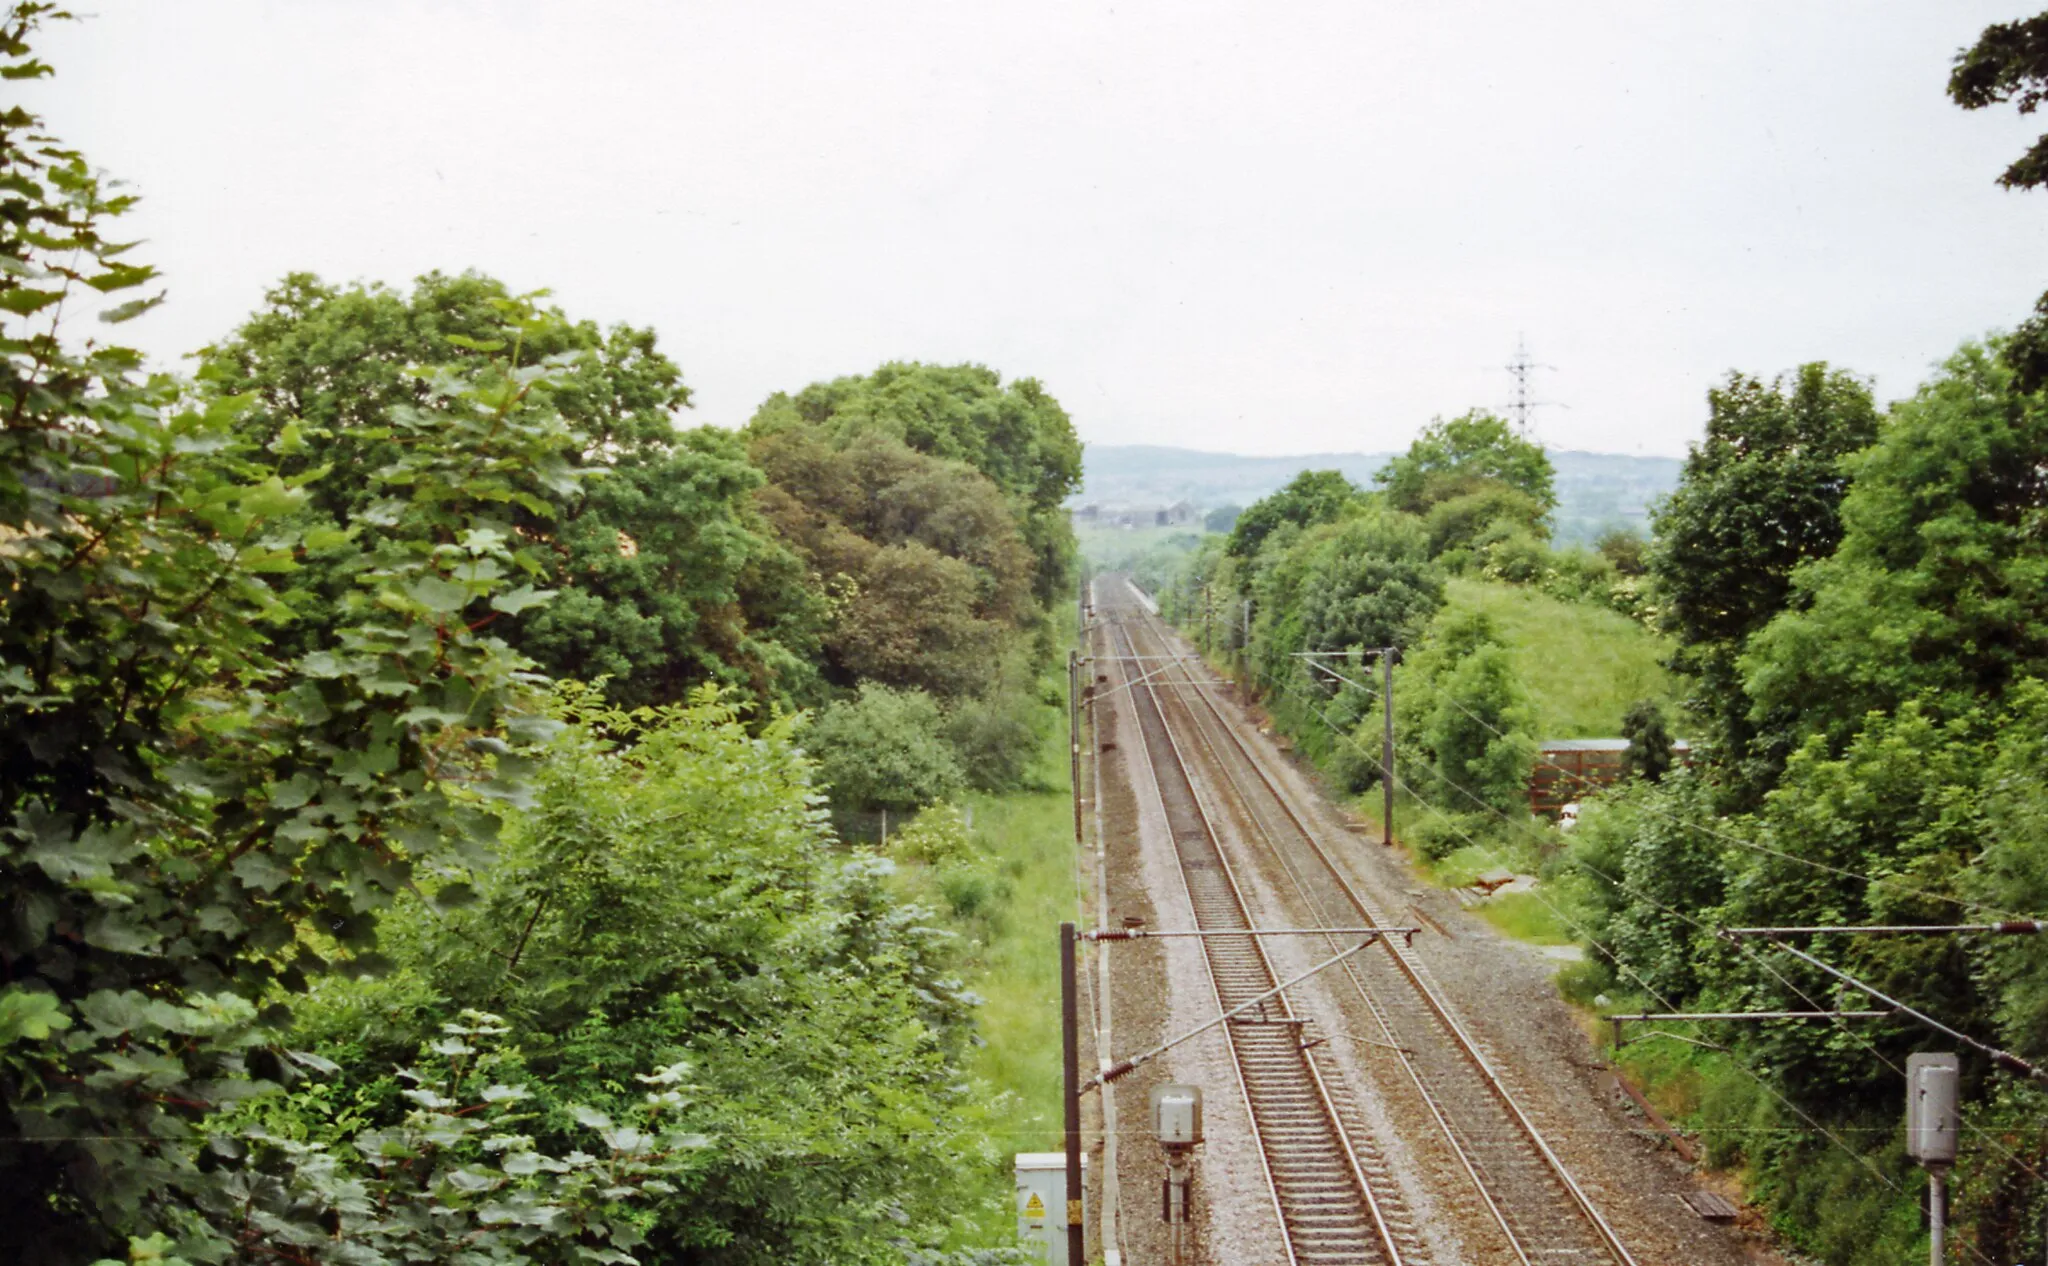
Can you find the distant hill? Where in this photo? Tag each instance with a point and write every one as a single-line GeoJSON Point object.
{"type": "Point", "coordinates": [1595, 491]}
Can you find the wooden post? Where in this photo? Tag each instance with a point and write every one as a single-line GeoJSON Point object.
{"type": "Point", "coordinates": [1070, 1052]}
{"type": "Point", "coordinates": [1074, 735]}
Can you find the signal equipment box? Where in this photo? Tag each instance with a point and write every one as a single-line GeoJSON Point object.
{"type": "Point", "coordinates": [1932, 1116]}
{"type": "Point", "coordinates": [1177, 1116]}
{"type": "Point", "coordinates": [1042, 1204]}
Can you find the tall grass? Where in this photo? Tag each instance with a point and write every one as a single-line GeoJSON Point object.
{"type": "Point", "coordinates": [1007, 901]}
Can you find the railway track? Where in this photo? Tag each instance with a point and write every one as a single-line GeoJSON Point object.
{"type": "Point", "coordinates": [1332, 1193]}
{"type": "Point", "coordinates": [1516, 1180]}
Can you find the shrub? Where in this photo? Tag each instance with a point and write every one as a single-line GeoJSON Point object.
{"type": "Point", "coordinates": [1480, 732]}
{"type": "Point", "coordinates": [1626, 549]}
{"type": "Point", "coordinates": [1649, 740]}
{"type": "Point", "coordinates": [1508, 552]}
{"type": "Point", "coordinates": [935, 837]}
{"type": "Point", "coordinates": [885, 749]}
{"type": "Point", "coordinates": [993, 741]}
{"type": "Point", "coordinates": [1438, 835]}
{"type": "Point", "coordinates": [1458, 522]}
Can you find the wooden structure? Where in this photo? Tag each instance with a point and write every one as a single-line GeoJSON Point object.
{"type": "Point", "coordinates": [1569, 770]}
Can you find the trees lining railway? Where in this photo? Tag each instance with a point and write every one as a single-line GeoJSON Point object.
{"type": "Point", "coordinates": [1334, 1194]}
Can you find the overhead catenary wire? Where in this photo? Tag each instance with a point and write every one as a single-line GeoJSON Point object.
{"type": "Point", "coordinates": [2012, 925]}
{"type": "Point", "coordinates": [1736, 839]}
{"type": "Point", "coordinates": [2004, 1058]}
{"type": "Point", "coordinates": [1830, 1134]}
{"type": "Point", "coordinates": [1594, 941]}
{"type": "Point", "coordinates": [1742, 1065]}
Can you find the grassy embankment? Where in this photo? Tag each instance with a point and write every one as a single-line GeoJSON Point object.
{"type": "Point", "coordinates": [1582, 667]}
{"type": "Point", "coordinates": [1005, 897]}
{"type": "Point", "coordinates": [1014, 939]}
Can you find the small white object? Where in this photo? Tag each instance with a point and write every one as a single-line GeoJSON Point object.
{"type": "Point", "coordinates": [1933, 1116]}
{"type": "Point", "coordinates": [1177, 1115]}
{"type": "Point", "coordinates": [1568, 816]}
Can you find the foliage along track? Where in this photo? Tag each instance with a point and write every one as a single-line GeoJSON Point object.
{"type": "Point", "coordinates": [1524, 1187]}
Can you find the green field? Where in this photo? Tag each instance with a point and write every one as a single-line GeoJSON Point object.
{"type": "Point", "coordinates": [1582, 665]}
{"type": "Point", "coordinates": [1152, 554]}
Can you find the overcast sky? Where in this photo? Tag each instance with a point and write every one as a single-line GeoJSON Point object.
{"type": "Point", "coordinates": [1259, 227]}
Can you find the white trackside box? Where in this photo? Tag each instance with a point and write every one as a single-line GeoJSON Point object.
{"type": "Point", "coordinates": [1042, 1204]}
{"type": "Point", "coordinates": [1932, 1116]}
{"type": "Point", "coordinates": [1177, 1115]}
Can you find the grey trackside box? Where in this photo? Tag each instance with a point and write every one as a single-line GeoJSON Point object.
{"type": "Point", "coordinates": [1932, 1117]}
{"type": "Point", "coordinates": [1177, 1115]}
{"type": "Point", "coordinates": [1042, 1205]}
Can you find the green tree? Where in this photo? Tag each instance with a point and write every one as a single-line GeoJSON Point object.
{"type": "Point", "coordinates": [1649, 741]}
{"type": "Point", "coordinates": [994, 742]}
{"type": "Point", "coordinates": [1939, 587]}
{"type": "Point", "coordinates": [2009, 62]}
{"type": "Point", "coordinates": [193, 825]}
{"type": "Point", "coordinates": [1363, 582]}
{"type": "Point", "coordinates": [669, 925]}
{"type": "Point", "coordinates": [1760, 495]}
{"type": "Point", "coordinates": [1360, 583]}
{"type": "Point", "coordinates": [932, 574]}
{"type": "Point", "coordinates": [1626, 549]}
{"type": "Point", "coordinates": [1478, 737]}
{"type": "Point", "coordinates": [1457, 523]}
{"type": "Point", "coordinates": [1653, 868]}
{"type": "Point", "coordinates": [667, 580]}
{"type": "Point", "coordinates": [1310, 498]}
{"type": "Point", "coordinates": [1017, 435]}
{"type": "Point", "coordinates": [2012, 871]}
{"type": "Point", "coordinates": [1900, 806]}
{"type": "Point", "coordinates": [1463, 455]}
{"type": "Point", "coordinates": [885, 749]}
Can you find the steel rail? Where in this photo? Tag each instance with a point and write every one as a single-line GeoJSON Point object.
{"type": "Point", "coordinates": [1467, 1046]}
{"type": "Point", "coordinates": [1270, 1150]}
{"type": "Point", "coordinates": [1406, 1055]}
{"type": "Point", "coordinates": [1215, 989]}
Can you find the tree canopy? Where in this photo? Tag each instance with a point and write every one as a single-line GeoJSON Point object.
{"type": "Point", "coordinates": [214, 773]}
{"type": "Point", "coordinates": [331, 936]}
{"type": "Point", "coordinates": [1939, 587]}
{"type": "Point", "coordinates": [933, 578]}
{"type": "Point", "coordinates": [666, 578]}
{"type": "Point", "coordinates": [2009, 62]}
{"type": "Point", "coordinates": [1017, 435]}
{"type": "Point", "coordinates": [1760, 495]}
{"type": "Point", "coordinates": [1312, 497]}
{"type": "Point", "coordinates": [1463, 455]}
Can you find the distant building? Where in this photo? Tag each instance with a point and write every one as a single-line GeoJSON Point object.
{"type": "Point", "coordinates": [1569, 770]}
{"type": "Point", "coordinates": [1120, 515]}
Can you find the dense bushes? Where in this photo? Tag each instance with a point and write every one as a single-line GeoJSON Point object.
{"type": "Point", "coordinates": [1874, 705]}
{"type": "Point", "coordinates": [668, 929]}
{"type": "Point", "coordinates": [329, 938]}
{"type": "Point", "coordinates": [1858, 605]}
